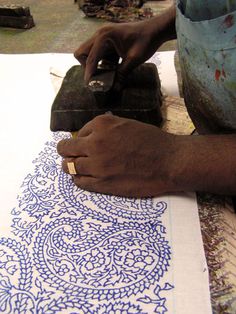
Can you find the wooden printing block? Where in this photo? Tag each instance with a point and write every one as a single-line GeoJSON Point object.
{"type": "Point", "coordinates": [77, 103]}
{"type": "Point", "coordinates": [16, 17]}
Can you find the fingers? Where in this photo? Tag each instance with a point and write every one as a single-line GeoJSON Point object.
{"type": "Point", "coordinates": [90, 53]}
{"type": "Point", "coordinates": [97, 53]}
{"type": "Point", "coordinates": [72, 147]}
{"type": "Point", "coordinates": [82, 52]}
{"type": "Point", "coordinates": [86, 182]}
{"type": "Point", "coordinates": [83, 179]}
{"type": "Point", "coordinates": [98, 185]}
{"type": "Point", "coordinates": [86, 130]}
{"type": "Point", "coordinates": [98, 47]}
{"type": "Point", "coordinates": [91, 184]}
{"type": "Point", "coordinates": [96, 124]}
{"type": "Point", "coordinates": [82, 166]}
{"type": "Point", "coordinates": [105, 44]}
{"type": "Point", "coordinates": [78, 147]}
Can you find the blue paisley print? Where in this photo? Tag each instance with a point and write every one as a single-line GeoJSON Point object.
{"type": "Point", "coordinates": [72, 251]}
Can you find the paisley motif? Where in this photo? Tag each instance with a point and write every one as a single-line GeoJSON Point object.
{"type": "Point", "coordinates": [100, 260]}
{"type": "Point", "coordinates": [73, 251]}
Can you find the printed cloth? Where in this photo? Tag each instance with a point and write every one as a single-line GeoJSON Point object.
{"type": "Point", "coordinates": [65, 250]}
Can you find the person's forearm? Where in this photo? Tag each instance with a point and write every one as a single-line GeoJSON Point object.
{"type": "Point", "coordinates": [162, 27]}
{"type": "Point", "coordinates": [205, 163]}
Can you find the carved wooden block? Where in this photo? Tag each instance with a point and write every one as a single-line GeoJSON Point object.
{"type": "Point", "coordinates": [76, 103]}
{"type": "Point", "coordinates": [16, 17]}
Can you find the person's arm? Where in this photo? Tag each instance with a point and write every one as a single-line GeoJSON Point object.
{"type": "Point", "coordinates": [206, 163]}
{"type": "Point", "coordinates": [133, 42]}
{"type": "Point", "coordinates": [162, 27]}
{"type": "Point", "coordinates": [125, 157]}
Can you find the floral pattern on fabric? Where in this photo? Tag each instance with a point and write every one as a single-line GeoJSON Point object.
{"type": "Point", "coordinates": [73, 251]}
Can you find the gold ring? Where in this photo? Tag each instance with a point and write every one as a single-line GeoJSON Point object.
{"type": "Point", "coordinates": [71, 167]}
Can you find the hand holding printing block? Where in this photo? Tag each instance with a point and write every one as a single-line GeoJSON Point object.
{"type": "Point", "coordinates": [133, 42]}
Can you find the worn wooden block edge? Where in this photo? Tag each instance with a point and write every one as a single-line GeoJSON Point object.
{"type": "Point", "coordinates": [16, 17]}
{"type": "Point", "coordinates": [24, 22]}
{"type": "Point", "coordinates": [14, 10]}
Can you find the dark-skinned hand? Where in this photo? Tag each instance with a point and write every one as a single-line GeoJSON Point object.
{"type": "Point", "coordinates": [121, 157]}
{"type": "Point", "coordinates": [134, 43]}
{"type": "Point", "coordinates": [111, 42]}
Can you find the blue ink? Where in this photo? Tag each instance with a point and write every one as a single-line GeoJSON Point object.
{"type": "Point", "coordinates": [79, 251]}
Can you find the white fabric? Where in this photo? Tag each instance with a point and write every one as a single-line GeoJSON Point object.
{"type": "Point", "coordinates": [64, 250]}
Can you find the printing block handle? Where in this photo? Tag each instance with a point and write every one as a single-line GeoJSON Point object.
{"type": "Point", "coordinates": [102, 84]}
